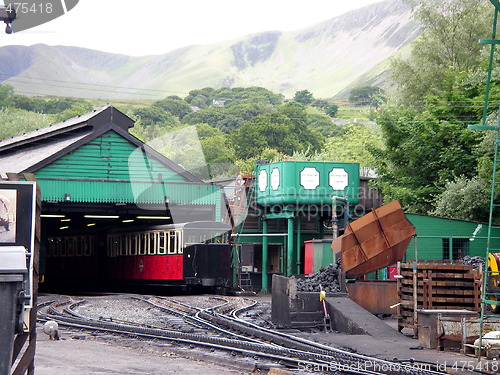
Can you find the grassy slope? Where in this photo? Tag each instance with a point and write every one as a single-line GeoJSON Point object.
{"type": "Point", "coordinates": [324, 59]}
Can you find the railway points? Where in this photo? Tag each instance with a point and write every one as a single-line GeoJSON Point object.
{"type": "Point", "coordinates": [263, 349]}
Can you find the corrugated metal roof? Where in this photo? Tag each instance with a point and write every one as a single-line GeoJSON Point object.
{"type": "Point", "coordinates": [20, 160]}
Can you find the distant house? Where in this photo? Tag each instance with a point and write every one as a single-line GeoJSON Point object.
{"type": "Point", "coordinates": [219, 102]}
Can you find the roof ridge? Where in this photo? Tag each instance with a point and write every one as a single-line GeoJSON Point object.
{"type": "Point", "coordinates": [53, 129]}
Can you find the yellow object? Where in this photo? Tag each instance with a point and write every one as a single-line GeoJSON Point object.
{"type": "Point", "coordinates": [493, 282]}
{"type": "Point", "coordinates": [322, 295]}
{"type": "Point", "coordinates": [492, 264]}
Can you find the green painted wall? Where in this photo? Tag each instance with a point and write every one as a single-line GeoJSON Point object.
{"type": "Point", "coordinates": [129, 192]}
{"type": "Point", "coordinates": [111, 169]}
{"type": "Point", "coordinates": [109, 157]}
{"type": "Point", "coordinates": [306, 183]}
{"type": "Point", "coordinates": [434, 236]}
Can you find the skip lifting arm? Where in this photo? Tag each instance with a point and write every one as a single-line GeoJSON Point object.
{"type": "Point", "coordinates": [7, 15]}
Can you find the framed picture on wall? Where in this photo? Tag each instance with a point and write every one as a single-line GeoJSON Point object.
{"type": "Point", "coordinates": [17, 221]}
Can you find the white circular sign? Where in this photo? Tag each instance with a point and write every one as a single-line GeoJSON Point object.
{"type": "Point", "coordinates": [262, 180]}
{"type": "Point", "coordinates": [338, 178]}
{"type": "Point", "coordinates": [309, 178]}
{"type": "Point", "coordinates": [275, 179]}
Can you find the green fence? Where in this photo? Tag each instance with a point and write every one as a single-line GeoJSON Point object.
{"type": "Point", "coordinates": [441, 248]}
{"type": "Point", "coordinates": [448, 247]}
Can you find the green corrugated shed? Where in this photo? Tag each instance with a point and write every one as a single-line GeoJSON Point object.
{"type": "Point", "coordinates": [442, 238]}
{"type": "Point", "coordinates": [109, 157]}
{"type": "Point", "coordinates": [93, 159]}
{"type": "Point", "coordinates": [110, 169]}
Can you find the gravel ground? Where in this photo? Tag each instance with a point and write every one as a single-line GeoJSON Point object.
{"type": "Point", "coordinates": [82, 352]}
{"type": "Point", "coordinates": [121, 309]}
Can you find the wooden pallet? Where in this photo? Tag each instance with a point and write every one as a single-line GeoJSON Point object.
{"type": "Point", "coordinates": [436, 285]}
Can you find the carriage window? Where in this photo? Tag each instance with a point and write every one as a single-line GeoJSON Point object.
{"type": "Point", "coordinates": [172, 242]}
{"type": "Point", "coordinates": [123, 245]}
{"type": "Point", "coordinates": [143, 244]}
{"type": "Point", "coordinates": [132, 241]}
{"type": "Point", "coordinates": [109, 246]}
{"type": "Point", "coordinates": [57, 246]}
{"type": "Point", "coordinates": [115, 245]}
{"type": "Point", "coordinates": [80, 246]}
{"type": "Point", "coordinates": [71, 246]}
{"type": "Point", "coordinates": [87, 243]}
{"type": "Point", "coordinates": [162, 246]}
{"type": "Point", "coordinates": [152, 243]}
{"type": "Point", "coordinates": [112, 249]}
{"type": "Point", "coordinates": [64, 246]}
{"type": "Point", "coordinates": [128, 244]}
{"type": "Point", "coordinates": [180, 242]}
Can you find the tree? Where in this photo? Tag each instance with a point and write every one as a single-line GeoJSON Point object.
{"type": "Point", "coordinates": [174, 105]}
{"type": "Point", "coordinates": [304, 97]}
{"type": "Point", "coordinates": [5, 92]}
{"type": "Point", "coordinates": [217, 150]}
{"type": "Point", "coordinates": [284, 130]}
{"type": "Point", "coordinates": [248, 95]}
{"type": "Point", "coordinates": [320, 104]}
{"type": "Point", "coordinates": [332, 110]}
{"type": "Point", "coordinates": [225, 118]}
{"type": "Point", "coordinates": [152, 115]}
{"type": "Point", "coordinates": [200, 98]}
{"type": "Point", "coordinates": [25, 102]}
{"type": "Point", "coordinates": [426, 140]}
{"type": "Point", "coordinates": [353, 145]}
{"type": "Point", "coordinates": [73, 111]}
{"type": "Point", "coordinates": [59, 105]}
{"type": "Point", "coordinates": [421, 153]}
{"type": "Point", "coordinates": [465, 199]}
{"type": "Point", "coordinates": [451, 30]}
{"type": "Point", "coordinates": [14, 121]}
{"type": "Point", "coordinates": [366, 95]}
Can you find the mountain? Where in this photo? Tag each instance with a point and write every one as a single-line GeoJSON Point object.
{"type": "Point", "coordinates": [326, 59]}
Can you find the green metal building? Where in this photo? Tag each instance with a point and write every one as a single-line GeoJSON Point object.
{"type": "Point", "coordinates": [292, 203]}
{"type": "Point", "coordinates": [93, 173]}
{"type": "Point", "coordinates": [448, 239]}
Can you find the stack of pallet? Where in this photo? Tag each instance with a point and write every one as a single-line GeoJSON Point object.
{"type": "Point", "coordinates": [436, 285]}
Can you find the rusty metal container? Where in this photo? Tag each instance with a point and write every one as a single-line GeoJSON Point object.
{"type": "Point", "coordinates": [375, 296]}
{"type": "Point", "coordinates": [432, 332]}
{"type": "Point", "coordinates": [374, 241]}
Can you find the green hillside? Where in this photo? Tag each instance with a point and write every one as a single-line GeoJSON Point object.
{"type": "Point", "coordinates": [324, 59]}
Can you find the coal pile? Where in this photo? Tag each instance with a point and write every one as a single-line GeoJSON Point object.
{"type": "Point", "coordinates": [476, 262]}
{"type": "Point", "coordinates": [327, 277]}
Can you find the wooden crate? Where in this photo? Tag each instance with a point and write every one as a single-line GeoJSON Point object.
{"type": "Point", "coordinates": [436, 285]}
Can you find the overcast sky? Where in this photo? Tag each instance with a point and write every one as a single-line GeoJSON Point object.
{"type": "Point", "coordinates": [158, 26]}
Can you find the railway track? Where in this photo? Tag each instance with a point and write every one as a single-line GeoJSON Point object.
{"type": "Point", "coordinates": [219, 327]}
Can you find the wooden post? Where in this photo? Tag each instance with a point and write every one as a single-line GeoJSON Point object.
{"type": "Point", "coordinates": [415, 297]}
